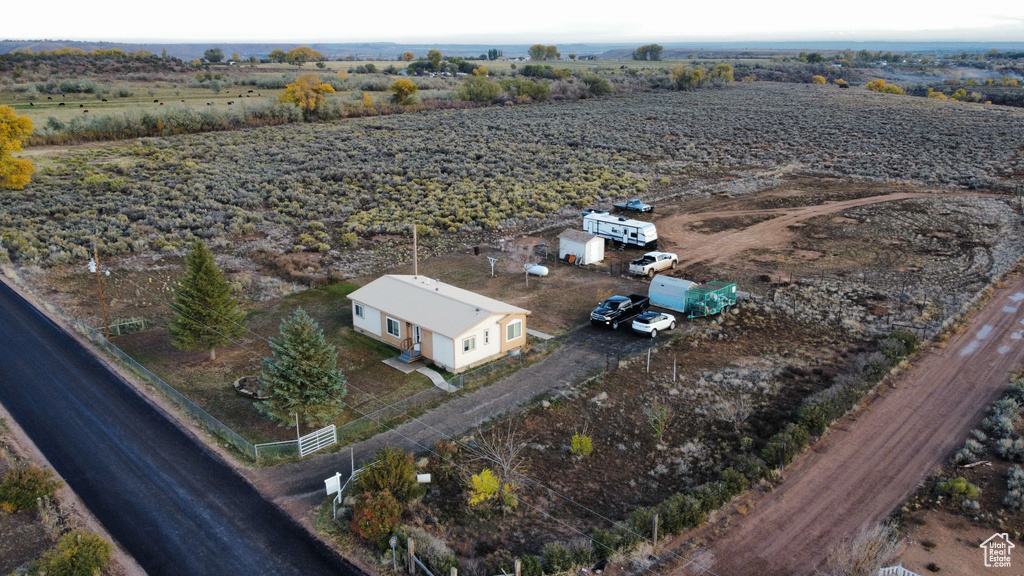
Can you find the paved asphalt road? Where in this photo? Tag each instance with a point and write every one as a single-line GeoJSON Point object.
{"type": "Point", "coordinates": [170, 502]}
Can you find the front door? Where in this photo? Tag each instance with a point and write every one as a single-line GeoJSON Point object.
{"type": "Point", "coordinates": [416, 338]}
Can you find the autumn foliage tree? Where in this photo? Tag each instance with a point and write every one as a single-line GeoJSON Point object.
{"type": "Point", "coordinates": [817, 79]}
{"type": "Point", "coordinates": [403, 90]}
{"type": "Point", "coordinates": [408, 56]}
{"type": "Point", "coordinates": [307, 93]}
{"type": "Point", "coordinates": [14, 172]}
{"type": "Point", "coordinates": [277, 55]}
{"type": "Point", "coordinates": [302, 54]}
{"type": "Point", "coordinates": [880, 86]}
{"type": "Point", "coordinates": [435, 56]}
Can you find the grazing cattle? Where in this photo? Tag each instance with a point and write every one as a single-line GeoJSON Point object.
{"type": "Point", "coordinates": [31, 104]}
{"type": "Point", "coordinates": [104, 99]}
{"type": "Point", "coordinates": [250, 91]}
{"type": "Point", "coordinates": [155, 101]}
{"type": "Point", "coordinates": [209, 103]}
{"type": "Point", "coordinates": [239, 95]}
{"type": "Point", "coordinates": [182, 100]}
{"type": "Point", "coordinates": [161, 103]}
{"type": "Point", "coordinates": [61, 104]}
{"type": "Point", "coordinates": [85, 111]}
{"type": "Point", "coordinates": [230, 102]}
{"type": "Point", "coordinates": [49, 97]}
{"type": "Point", "coordinates": [81, 105]}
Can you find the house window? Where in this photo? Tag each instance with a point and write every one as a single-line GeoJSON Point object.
{"type": "Point", "coordinates": [514, 330]}
{"type": "Point", "coordinates": [487, 337]}
{"type": "Point", "coordinates": [393, 328]}
{"type": "Point", "coordinates": [469, 344]}
{"type": "Point", "coordinates": [359, 310]}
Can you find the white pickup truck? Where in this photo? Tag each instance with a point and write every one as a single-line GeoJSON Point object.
{"type": "Point", "coordinates": [652, 263]}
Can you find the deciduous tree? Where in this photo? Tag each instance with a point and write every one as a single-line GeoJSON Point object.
{"type": "Point", "coordinates": [307, 93]}
{"type": "Point", "coordinates": [817, 79]}
{"type": "Point", "coordinates": [403, 90]}
{"type": "Point", "coordinates": [538, 52]}
{"type": "Point", "coordinates": [214, 55]}
{"type": "Point", "coordinates": [302, 375]}
{"type": "Point", "coordinates": [302, 54]}
{"type": "Point", "coordinates": [277, 55]}
{"type": "Point", "coordinates": [435, 57]}
{"type": "Point", "coordinates": [408, 56]}
{"type": "Point", "coordinates": [15, 173]}
{"type": "Point", "coordinates": [206, 315]}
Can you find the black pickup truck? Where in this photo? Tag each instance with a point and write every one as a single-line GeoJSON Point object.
{"type": "Point", "coordinates": [619, 309]}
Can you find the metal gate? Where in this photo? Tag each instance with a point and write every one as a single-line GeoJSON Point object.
{"type": "Point", "coordinates": [316, 440]}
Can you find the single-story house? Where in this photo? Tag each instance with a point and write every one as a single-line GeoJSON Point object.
{"type": "Point", "coordinates": [669, 292]}
{"type": "Point", "coordinates": [426, 318]}
{"type": "Point", "coordinates": [587, 248]}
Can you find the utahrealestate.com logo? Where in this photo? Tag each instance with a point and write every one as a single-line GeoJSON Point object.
{"type": "Point", "coordinates": [997, 550]}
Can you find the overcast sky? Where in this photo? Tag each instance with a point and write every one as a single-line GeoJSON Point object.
{"type": "Point", "coordinates": [514, 21]}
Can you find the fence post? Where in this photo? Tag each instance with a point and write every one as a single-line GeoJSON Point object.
{"type": "Point", "coordinates": [654, 530]}
{"type": "Point", "coordinates": [519, 567]}
{"type": "Point", "coordinates": [455, 571]}
{"type": "Point", "coordinates": [412, 556]}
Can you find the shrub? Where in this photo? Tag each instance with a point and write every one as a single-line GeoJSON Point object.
{"type": "Point", "coordinates": [78, 553]}
{"type": "Point", "coordinates": [374, 515]}
{"type": "Point", "coordinates": [733, 482]}
{"type": "Point", "coordinates": [881, 86]}
{"type": "Point", "coordinates": [1005, 408]}
{"type": "Point", "coordinates": [582, 445]}
{"type": "Point", "coordinates": [597, 85]}
{"type": "Point", "coordinates": [434, 552]}
{"type": "Point", "coordinates": [1015, 391]}
{"type": "Point", "coordinates": [969, 453]}
{"type": "Point", "coordinates": [785, 445]}
{"type": "Point", "coordinates": [1010, 449]}
{"type": "Point", "coordinates": [605, 544]}
{"type": "Point", "coordinates": [958, 489]}
{"type": "Point", "coordinates": [21, 487]}
{"type": "Point", "coordinates": [393, 471]}
{"type": "Point", "coordinates": [818, 79]}
{"type": "Point", "coordinates": [556, 558]}
{"type": "Point", "coordinates": [998, 426]}
{"type": "Point", "coordinates": [679, 513]}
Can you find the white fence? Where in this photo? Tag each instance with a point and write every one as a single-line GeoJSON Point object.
{"type": "Point", "coordinates": [316, 440]}
{"type": "Point", "coordinates": [896, 571]}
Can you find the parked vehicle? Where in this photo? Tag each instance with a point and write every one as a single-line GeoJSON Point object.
{"type": "Point", "coordinates": [618, 310]}
{"type": "Point", "coordinates": [650, 323]}
{"type": "Point", "coordinates": [620, 229]}
{"type": "Point", "coordinates": [653, 262]}
{"type": "Point", "coordinates": [635, 205]}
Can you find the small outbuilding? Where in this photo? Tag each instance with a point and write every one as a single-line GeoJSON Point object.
{"type": "Point", "coordinates": [580, 247]}
{"type": "Point", "coordinates": [668, 292]}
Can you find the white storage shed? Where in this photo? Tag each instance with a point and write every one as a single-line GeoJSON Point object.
{"type": "Point", "coordinates": [587, 248]}
{"type": "Point", "coordinates": [669, 292]}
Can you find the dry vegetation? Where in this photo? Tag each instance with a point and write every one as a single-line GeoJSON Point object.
{"type": "Point", "coordinates": [850, 278]}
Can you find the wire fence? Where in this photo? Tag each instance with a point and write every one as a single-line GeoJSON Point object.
{"type": "Point", "coordinates": [371, 422]}
{"type": "Point", "coordinates": [189, 407]}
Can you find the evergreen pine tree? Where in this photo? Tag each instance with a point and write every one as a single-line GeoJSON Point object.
{"type": "Point", "coordinates": [302, 374]}
{"type": "Point", "coordinates": [206, 315]}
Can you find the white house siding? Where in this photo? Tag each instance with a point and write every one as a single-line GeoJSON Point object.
{"type": "Point", "coordinates": [482, 351]}
{"type": "Point", "coordinates": [443, 351]}
{"type": "Point", "coordinates": [567, 246]}
{"type": "Point", "coordinates": [369, 323]}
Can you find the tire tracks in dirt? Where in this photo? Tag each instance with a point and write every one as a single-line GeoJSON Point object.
{"type": "Point", "coordinates": [873, 460]}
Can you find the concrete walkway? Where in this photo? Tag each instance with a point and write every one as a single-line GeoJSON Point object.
{"type": "Point", "coordinates": [437, 379]}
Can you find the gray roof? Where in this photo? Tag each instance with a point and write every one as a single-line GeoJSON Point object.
{"type": "Point", "coordinates": [577, 236]}
{"type": "Point", "coordinates": [434, 305]}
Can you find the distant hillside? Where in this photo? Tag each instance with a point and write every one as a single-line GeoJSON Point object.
{"type": "Point", "coordinates": [603, 51]}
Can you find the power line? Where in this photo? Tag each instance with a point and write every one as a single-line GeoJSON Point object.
{"type": "Point", "coordinates": [428, 426]}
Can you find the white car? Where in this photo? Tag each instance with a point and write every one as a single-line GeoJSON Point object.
{"type": "Point", "coordinates": [649, 323]}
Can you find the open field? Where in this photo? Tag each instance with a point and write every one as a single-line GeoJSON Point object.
{"type": "Point", "coordinates": [845, 215]}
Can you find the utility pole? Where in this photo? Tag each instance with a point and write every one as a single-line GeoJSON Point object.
{"type": "Point", "coordinates": [99, 281]}
{"type": "Point", "coordinates": [415, 258]}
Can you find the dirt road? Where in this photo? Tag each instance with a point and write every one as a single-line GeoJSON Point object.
{"type": "Point", "coordinates": [678, 235]}
{"type": "Point", "coordinates": [873, 460]}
